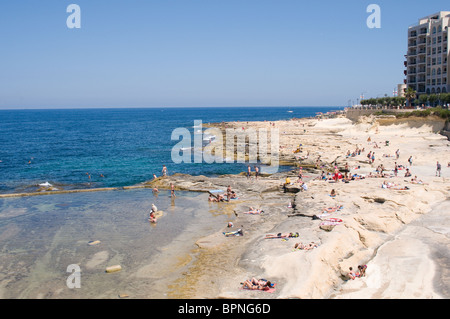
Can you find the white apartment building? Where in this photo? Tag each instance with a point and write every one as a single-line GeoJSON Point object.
{"type": "Point", "coordinates": [427, 61]}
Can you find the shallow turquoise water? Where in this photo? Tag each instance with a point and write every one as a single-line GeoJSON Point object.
{"type": "Point", "coordinates": [41, 236]}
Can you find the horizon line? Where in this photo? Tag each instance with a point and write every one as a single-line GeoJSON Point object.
{"type": "Point", "coordinates": [159, 107]}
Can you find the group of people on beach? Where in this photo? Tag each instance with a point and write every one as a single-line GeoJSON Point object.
{"type": "Point", "coordinates": [230, 194]}
{"type": "Point", "coordinates": [334, 175]}
{"type": "Point", "coordinates": [257, 284]}
{"type": "Point", "coordinates": [360, 273]}
{"type": "Point", "coordinates": [249, 172]}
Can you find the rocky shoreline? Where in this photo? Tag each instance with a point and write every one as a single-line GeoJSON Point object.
{"type": "Point", "coordinates": [371, 216]}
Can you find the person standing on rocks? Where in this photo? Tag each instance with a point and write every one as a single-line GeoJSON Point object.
{"type": "Point", "coordinates": [256, 172]}
{"type": "Point", "coordinates": [438, 169]}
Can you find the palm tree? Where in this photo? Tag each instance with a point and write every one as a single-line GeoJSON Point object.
{"type": "Point", "coordinates": [410, 94]}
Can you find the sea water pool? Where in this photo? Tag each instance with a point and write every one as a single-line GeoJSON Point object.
{"type": "Point", "coordinates": [40, 236]}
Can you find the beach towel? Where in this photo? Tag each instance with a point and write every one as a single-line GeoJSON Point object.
{"type": "Point", "coordinates": [234, 233]}
{"type": "Point", "coordinates": [331, 222]}
{"type": "Point", "coordinates": [323, 215]}
{"type": "Point", "coordinates": [334, 220]}
{"type": "Point", "coordinates": [280, 235]}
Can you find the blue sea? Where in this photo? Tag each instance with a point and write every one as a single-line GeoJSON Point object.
{"type": "Point", "coordinates": [88, 148]}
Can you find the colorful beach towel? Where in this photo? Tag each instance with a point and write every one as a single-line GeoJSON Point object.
{"type": "Point", "coordinates": [331, 222]}
{"type": "Point", "coordinates": [234, 233]}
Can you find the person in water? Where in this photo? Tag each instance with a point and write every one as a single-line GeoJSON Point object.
{"type": "Point", "coordinates": [172, 190]}
{"type": "Point", "coordinates": [152, 217]}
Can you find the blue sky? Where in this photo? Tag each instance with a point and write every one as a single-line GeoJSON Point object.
{"type": "Point", "coordinates": [164, 53]}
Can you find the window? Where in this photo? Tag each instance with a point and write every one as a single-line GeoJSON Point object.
{"type": "Point", "coordinates": [434, 30]}
{"type": "Point", "coordinates": [439, 61]}
{"type": "Point", "coordinates": [433, 72]}
{"type": "Point", "coordinates": [439, 71]}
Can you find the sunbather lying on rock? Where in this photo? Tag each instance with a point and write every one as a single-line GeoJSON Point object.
{"type": "Point", "coordinates": [253, 211]}
{"type": "Point", "coordinates": [333, 209]}
{"type": "Point", "coordinates": [353, 274]}
{"type": "Point", "coordinates": [282, 235]}
{"type": "Point", "coordinates": [255, 284]}
{"type": "Point", "coordinates": [301, 246]}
